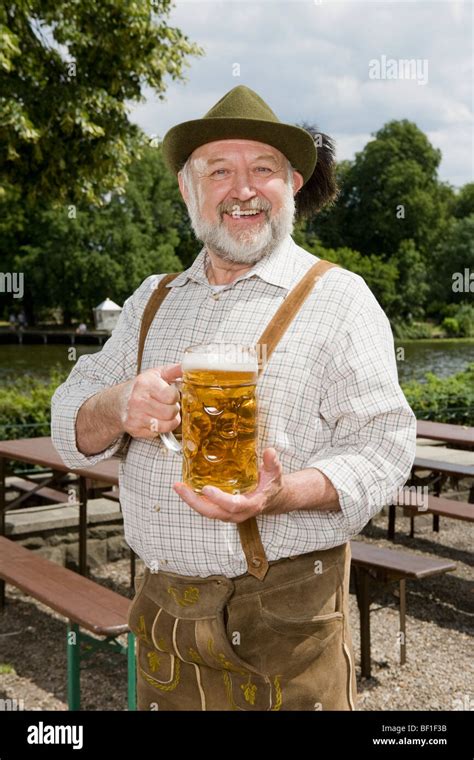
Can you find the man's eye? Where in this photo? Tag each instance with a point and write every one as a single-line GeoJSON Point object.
{"type": "Point", "coordinates": [262, 169]}
{"type": "Point", "coordinates": [218, 172]}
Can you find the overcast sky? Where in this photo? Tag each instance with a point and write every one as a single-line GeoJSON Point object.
{"type": "Point", "coordinates": [310, 60]}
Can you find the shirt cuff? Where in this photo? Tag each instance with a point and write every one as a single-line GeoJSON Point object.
{"type": "Point", "coordinates": [353, 500]}
{"type": "Point", "coordinates": [63, 431]}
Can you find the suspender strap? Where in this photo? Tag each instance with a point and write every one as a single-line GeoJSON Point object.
{"type": "Point", "coordinates": [154, 303]}
{"type": "Point", "coordinates": [283, 317]}
{"type": "Point", "coordinates": [249, 533]}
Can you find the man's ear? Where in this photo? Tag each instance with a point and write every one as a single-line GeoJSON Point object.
{"type": "Point", "coordinates": [298, 182]}
{"type": "Point", "coordinates": [182, 187]}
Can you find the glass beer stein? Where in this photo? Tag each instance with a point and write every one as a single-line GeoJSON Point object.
{"type": "Point", "coordinates": [218, 417]}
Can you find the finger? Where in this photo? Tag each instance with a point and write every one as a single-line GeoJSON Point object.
{"type": "Point", "coordinates": [144, 416]}
{"type": "Point", "coordinates": [163, 393]}
{"type": "Point", "coordinates": [171, 372]}
{"type": "Point", "coordinates": [200, 504]}
{"type": "Point", "coordinates": [271, 460]}
{"type": "Point", "coordinates": [151, 426]}
{"type": "Point", "coordinates": [161, 411]}
{"type": "Point", "coordinates": [232, 503]}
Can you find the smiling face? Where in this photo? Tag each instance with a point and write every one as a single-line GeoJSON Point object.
{"type": "Point", "coordinates": [240, 197]}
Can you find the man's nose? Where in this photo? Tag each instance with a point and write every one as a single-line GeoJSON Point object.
{"type": "Point", "coordinates": [243, 186]}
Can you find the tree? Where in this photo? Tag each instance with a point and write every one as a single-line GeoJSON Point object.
{"type": "Point", "coordinates": [328, 224]}
{"type": "Point", "coordinates": [412, 284]}
{"type": "Point", "coordinates": [68, 69]}
{"type": "Point", "coordinates": [379, 275]}
{"type": "Point", "coordinates": [391, 193]}
{"type": "Point", "coordinates": [464, 201]}
{"type": "Point", "coordinates": [74, 263]}
{"type": "Point", "coordinates": [451, 257]}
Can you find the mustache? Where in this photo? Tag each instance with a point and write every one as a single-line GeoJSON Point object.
{"type": "Point", "coordinates": [257, 204]}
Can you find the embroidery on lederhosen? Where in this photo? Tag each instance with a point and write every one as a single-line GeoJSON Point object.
{"type": "Point", "coordinates": [189, 597]}
{"type": "Point", "coordinates": [142, 634]}
{"type": "Point", "coordinates": [251, 694]}
{"type": "Point", "coordinates": [165, 685]}
{"type": "Point", "coordinates": [221, 658]}
{"type": "Point", "coordinates": [153, 661]}
{"type": "Point", "coordinates": [250, 691]}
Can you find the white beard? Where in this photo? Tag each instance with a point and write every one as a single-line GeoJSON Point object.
{"type": "Point", "coordinates": [249, 245]}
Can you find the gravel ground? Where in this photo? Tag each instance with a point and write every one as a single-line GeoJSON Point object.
{"type": "Point", "coordinates": [437, 675]}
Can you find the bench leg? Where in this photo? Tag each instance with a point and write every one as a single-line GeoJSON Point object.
{"type": "Point", "coordinates": [391, 521]}
{"type": "Point", "coordinates": [363, 601]}
{"type": "Point", "coordinates": [132, 569]}
{"type": "Point", "coordinates": [82, 526]}
{"type": "Point", "coordinates": [132, 672]}
{"type": "Point", "coordinates": [403, 646]}
{"type": "Point", "coordinates": [412, 527]}
{"type": "Point", "coordinates": [436, 523]}
{"type": "Point", "coordinates": [73, 644]}
{"type": "Point", "coordinates": [2, 522]}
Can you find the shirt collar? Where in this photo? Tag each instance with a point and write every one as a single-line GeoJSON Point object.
{"type": "Point", "coordinates": [275, 268]}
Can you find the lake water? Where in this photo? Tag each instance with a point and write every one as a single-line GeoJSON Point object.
{"type": "Point", "coordinates": [443, 357]}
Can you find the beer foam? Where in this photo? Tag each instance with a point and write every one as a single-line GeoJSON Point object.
{"type": "Point", "coordinates": [227, 359]}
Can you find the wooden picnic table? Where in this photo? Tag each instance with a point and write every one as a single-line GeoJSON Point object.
{"type": "Point", "coordinates": [439, 470]}
{"type": "Point", "coordinates": [453, 469]}
{"type": "Point", "coordinates": [459, 435]}
{"type": "Point", "coordinates": [40, 451]}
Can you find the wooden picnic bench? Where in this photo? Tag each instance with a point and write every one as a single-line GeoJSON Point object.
{"type": "Point", "coordinates": [371, 563]}
{"type": "Point", "coordinates": [84, 603]}
{"type": "Point", "coordinates": [40, 451]}
{"type": "Point", "coordinates": [437, 506]}
{"type": "Point", "coordinates": [103, 613]}
{"type": "Point", "coordinates": [31, 488]}
{"type": "Point", "coordinates": [457, 435]}
{"type": "Point", "coordinates": [438, 471]}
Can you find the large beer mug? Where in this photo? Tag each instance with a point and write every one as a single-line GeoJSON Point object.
{"type": "Point", "coordinates": [219, 417]}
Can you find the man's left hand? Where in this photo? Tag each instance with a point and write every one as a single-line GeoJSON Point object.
{"type": "Point", "coordinates": [219, 505]}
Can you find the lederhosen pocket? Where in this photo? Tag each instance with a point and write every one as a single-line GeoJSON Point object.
{"type": "Point", "coordinates": [182, 621]}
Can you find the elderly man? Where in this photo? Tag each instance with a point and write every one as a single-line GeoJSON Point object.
{"type": "Point", "coordinates": [228, 618]}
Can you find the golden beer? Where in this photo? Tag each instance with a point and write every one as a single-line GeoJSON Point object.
{"type": "Point", "coordinates": [219, 419]}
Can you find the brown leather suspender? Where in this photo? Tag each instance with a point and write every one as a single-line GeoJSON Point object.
{"type": "Point", "coordinates": [249, 534]}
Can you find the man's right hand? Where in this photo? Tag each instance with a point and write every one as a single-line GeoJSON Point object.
{"type": "Point", "coordinates": [150, 404]}
{"type": "Point", "coordinates": [144, 407]}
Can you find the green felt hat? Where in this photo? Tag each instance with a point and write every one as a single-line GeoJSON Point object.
{"type": "Point", "coordinates": [240, 114]}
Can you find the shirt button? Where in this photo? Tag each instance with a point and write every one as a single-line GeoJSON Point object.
{"type": "Point", "coordinates": [215, 296]}
{"type": "Point", "coordinates": [157, 508]}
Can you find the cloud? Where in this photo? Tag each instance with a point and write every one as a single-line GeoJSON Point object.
{"type": "Point", "coordinates": [310, 62]}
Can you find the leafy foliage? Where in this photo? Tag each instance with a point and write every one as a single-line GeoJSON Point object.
{"type": "Point", "coordinates": [25, 406]}
{"type": "Point", "coordinates": [67, 72]}
{"type": "Point", "coordinates": [449, 399]}
{"type": "Point", "coordinates": [450, 258]}
{"type": "Point", "coordinates": [74, 263]}
{"type": "Point", "coordinates": [389, 193]}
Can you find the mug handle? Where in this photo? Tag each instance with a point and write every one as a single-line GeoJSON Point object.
{"type": "Point", "coordinates": [169, 439]}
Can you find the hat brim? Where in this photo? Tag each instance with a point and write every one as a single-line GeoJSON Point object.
{"type": "Point", "coordinates": [294, 142]}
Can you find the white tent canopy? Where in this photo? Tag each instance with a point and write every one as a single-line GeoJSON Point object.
{"type": "Point", "coordinates": [106, 315]}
